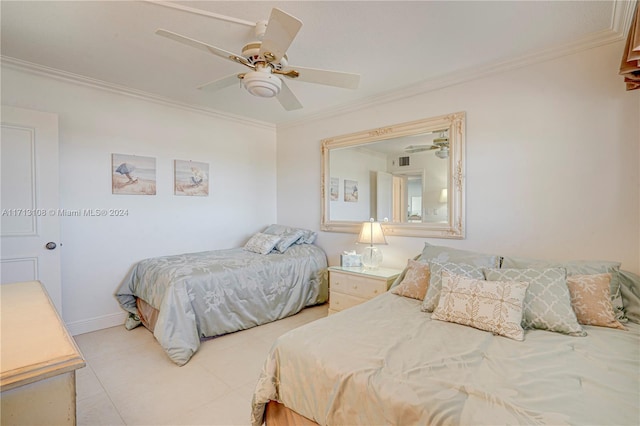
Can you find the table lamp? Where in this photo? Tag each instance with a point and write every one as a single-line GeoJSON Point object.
{"type": "Point", "coordinates": [371, 233]}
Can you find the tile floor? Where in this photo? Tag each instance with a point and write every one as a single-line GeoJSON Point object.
{"type": "Point", "coordinates": [129, 380]}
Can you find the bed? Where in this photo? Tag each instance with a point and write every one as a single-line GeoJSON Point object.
{"type": "Point", "coordinates": [387, 361]}
{"type": "Point", "coordinates": [184, 298]}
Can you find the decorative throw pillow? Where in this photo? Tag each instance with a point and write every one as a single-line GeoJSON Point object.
{"type": "Point", "coordinates": [494, 306]}
{"type": "Point", "coordinates": [400, 277]}
{"type": "Point", "coordinates": [287, 240]}
{"type": "Point", "coordinates": [435, 282]}
{"type": "Point", "coordinates": [442, 254]}
{"type": "Point", "coordinates": [591, 267]}
{"type": "Point", "coordinates": [547, 305]}
{"type": "Point", "coordinates": [308, 236]}
{"type": "Point", "coordinates": [591, 301]}
{"type": "Point", "coordinates": [579, 267]}
{"type": "Point", "coordinates": [415, 282]}
{"type": "Point", "coordinates": [630, 291]}
{"type": "Point", "coordinates": [262, 243]}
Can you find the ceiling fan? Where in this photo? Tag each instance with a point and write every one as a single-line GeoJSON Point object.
{"type": "Point", "coordinates": [441, 143]}
{"type": "Point", "coordinates": [267, 60]}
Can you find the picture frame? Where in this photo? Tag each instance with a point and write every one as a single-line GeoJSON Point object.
{"type": "Point", "coordinates": [133, 174]}
{"type": "Point", "coordinates": [191, 178]}
{"type": "Point", "coordinates": [334, 190]}
{"type": "Point", "coordinates": [350, 191]}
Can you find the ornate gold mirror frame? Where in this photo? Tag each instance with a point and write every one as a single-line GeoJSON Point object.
{"type": "Point", "coordinates": [453, 125]}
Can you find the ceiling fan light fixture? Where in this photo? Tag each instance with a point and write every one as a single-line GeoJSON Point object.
{"type": "Point", "coordinates": [262, 84]}
{"type": "Point", "coordinates": [265, 56]}
{"type": "Point", "coordinates": [443, 152]}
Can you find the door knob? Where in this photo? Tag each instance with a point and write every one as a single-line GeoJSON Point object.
{"type": "Point", "coordinates": [50, 245]}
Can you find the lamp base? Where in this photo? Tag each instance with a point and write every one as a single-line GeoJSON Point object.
{"type": "Point", "coordinates": [371, 257]}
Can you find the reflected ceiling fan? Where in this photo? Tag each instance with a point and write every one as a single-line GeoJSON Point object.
{"type": "Point", "coordinates": [267, 60]}
{"type": "Point", "coordinates": [441, 143]}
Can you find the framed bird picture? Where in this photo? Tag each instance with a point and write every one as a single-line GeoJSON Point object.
{"type": "Point", "coordinates": [350, 191]}
{"type": "Point", "coordinates": [133, 175]}
{"type": "Point", "coordinates": [191, 178]}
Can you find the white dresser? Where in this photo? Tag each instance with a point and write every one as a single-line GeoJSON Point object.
{"type": "Point", "coordinates": [38, 359]}
{"type": "Point", "coordinates": [352, 286]}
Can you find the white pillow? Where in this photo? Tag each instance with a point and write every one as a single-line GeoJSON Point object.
{"type": "Point", "coordinates": [262, 243]}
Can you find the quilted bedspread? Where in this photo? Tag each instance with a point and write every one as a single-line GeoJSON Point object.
{"type": "Point", "coordinates": [216, 292]}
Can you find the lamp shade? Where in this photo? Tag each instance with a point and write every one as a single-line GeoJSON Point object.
{"type": "Point", "coordinates": [371, 233]}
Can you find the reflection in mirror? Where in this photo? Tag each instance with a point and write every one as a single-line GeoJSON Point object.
{"type": "Point", "coordinates": [401, 175]}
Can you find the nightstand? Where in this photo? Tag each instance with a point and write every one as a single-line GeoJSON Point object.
{"type": "Point", "coordinates": [352, 286]}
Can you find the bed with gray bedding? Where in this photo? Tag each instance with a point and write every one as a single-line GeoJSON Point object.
{"type": "Point", "coordinates": [211, 293]}
{"type": "Point", "coordinates": [387, 362]}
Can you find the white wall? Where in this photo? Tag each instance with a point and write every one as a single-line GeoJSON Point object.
{"type": "Point", "coordinates": [98, 252]}
{"type": "Point", "coordinates": [355, 165]}
{"type": "Point", "coordinates": [553, 153]}
{"type": "Point", "coordinates": [552, 162]}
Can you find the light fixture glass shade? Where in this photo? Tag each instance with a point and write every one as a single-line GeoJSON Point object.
{"type": "Point", "coordinates": [371, 233]}
{"type": "Point", "coordinates": [262, 84]}
{"type": "Point", "coordinates": [443, 152]}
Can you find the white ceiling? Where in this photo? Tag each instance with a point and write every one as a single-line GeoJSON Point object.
{"type": "Point", "coordinates": [396, 46]}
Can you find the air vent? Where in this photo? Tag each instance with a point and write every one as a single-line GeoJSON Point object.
{"type": "Point", "coordinates": [403, 161]}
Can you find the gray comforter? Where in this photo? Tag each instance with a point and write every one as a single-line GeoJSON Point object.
{"type": "Point", "coordinates": [387, 363]}
{"type": "Point", "coordinates": [216, 292]}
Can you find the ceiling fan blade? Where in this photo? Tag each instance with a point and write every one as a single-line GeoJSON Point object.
{"type": "Point", "coordinates": [287, 99]}
{"type": "Point", "coordinates": [281, 30]}
{"type": "Point", "coordinates": [328, 78]}
{"type": "Point", "coordinates": [203, 46]}
{"type": "Point", "coordinates": [420, 148]}
{"type": "Point", "coordinates": [221, 83]}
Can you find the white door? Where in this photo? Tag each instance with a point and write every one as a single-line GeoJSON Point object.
{"type": "Point", "coordinates": [384, 182]}
{"type": "Point", "coordinates": [30, 227]}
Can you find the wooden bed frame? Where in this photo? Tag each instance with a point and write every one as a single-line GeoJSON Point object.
{"type": "Point", "coordinates": [278, 415]}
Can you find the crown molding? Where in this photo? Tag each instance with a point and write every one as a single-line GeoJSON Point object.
{"type": "Point", "coordinates": [69, 77]}
{"type": "Point", "coordinates": [622, 16]}
{"type": "Point", "coordinates": [200, 12]}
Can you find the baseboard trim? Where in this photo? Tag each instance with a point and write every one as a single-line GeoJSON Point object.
{"type": "Point", "coordinates": [96, 323]}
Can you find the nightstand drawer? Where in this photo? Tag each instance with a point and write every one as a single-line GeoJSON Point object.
{"type": "Point", "coordinates": [341, 301]}
{"type": "Point", "coordinates": [349, 287]}
{"type": "Point", "coordinates": [359, 286]}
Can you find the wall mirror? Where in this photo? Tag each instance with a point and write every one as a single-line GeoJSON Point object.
{"type": "Point", "coordinates": [409, 174]}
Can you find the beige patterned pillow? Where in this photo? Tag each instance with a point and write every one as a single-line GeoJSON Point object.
{"type": "Point", "coordinates": [415, 281]}
{"type": "Point", "coordinates": [435, 282]}
{"type": "Point", "coordinates": [494, 306]}
{"type": "Point", "coordinates": [591, 300]}
{"type": "Point", "coordinates": [262, 243]}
